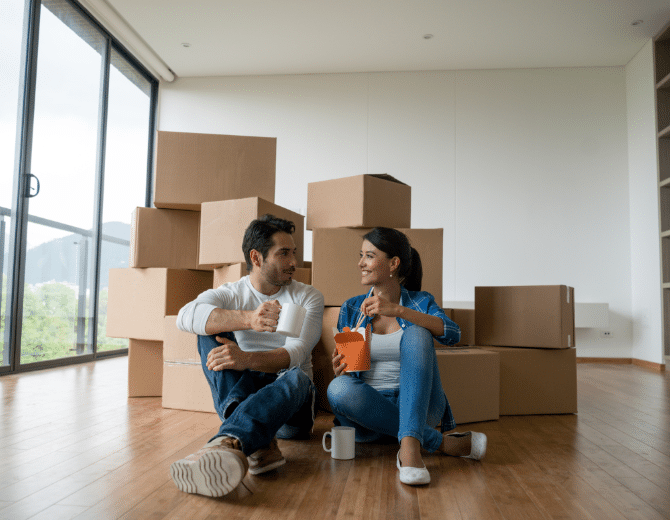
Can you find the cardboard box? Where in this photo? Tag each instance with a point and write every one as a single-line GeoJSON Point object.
{"type": "Point", "coordinates": [179, 346]}
{"type": "Point", "coordinates": [322, 366]}
{"type": "Point", "coordinates": [537, 381]}
{"type": "Point", "coordinates": [145, 368]}
{"type": "Point", "coordinates": [541, 316]}
{"type": "Point", "coordinates": [185, 387]}
{"type": "Point", "coordinates": [139, 299]}
{"type": "Point", "coordinates": [360, 201]}
{"type": "Point", "coordinates": [465, 319]}
{"type": "Point", "coordinates": [164, 238]}
{"type": "Point", "coordinates": [235, 272]}
{"type": "Point", "coordinates": [471, 382]}
{"type": "Point", "coordinates": [195, 168]}
{"type": "Point", "coordinates": [223, 223]}
{"type": "Point", "coordinates": [335, 256]}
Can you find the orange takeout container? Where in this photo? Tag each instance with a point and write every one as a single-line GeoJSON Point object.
{"type": "Point", "coordinates": [355, 349]}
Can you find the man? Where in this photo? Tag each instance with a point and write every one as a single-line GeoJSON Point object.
{"type": "Point", "coordinates": [260, 380]}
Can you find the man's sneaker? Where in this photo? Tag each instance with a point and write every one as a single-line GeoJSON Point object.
{"type": "Point", "coordinates": [212, 471]}
{"type": "Point", "coordinates": [266, 459]}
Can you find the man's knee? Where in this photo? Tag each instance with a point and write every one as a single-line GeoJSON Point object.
{"type": "Point", "coordinates": [296, 380]}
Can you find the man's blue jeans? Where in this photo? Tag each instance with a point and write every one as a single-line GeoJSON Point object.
{"type": "Point", "coordinates": [413, 409]}
{"type": "Point", "coordinates": [254, 407]}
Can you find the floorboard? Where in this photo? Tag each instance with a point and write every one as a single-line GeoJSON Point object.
{"type": "Point", "coordinates": [73, 446]}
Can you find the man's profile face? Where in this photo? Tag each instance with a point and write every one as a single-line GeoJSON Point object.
{"type": "Point", "coordinates": [279, 265]}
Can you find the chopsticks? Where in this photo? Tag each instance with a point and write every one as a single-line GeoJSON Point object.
{"type": "Point", "coordinates": [360, 321]}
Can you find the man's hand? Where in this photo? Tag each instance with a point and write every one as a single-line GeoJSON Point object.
{"type": "Point", "coordinates": [264, 318]}
{"type": "Point", "coordinates": [227, 356]}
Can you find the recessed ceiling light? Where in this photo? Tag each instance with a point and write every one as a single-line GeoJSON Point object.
{"type": "Point", "coordinates": [185, 44]}
{"type": "Point", "coordinates": [427, 36]}
{"type": "Point", "coordinates": [637, 22]}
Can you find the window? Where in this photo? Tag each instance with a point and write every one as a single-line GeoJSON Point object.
{"type": "Point", "coordinates": [83, 124]}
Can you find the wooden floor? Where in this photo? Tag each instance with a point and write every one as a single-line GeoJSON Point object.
{"type": "Point", "coordinates": [73, 446]}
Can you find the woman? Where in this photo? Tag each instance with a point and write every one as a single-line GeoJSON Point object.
{"type": "Point", "coordinates": [401, 395]}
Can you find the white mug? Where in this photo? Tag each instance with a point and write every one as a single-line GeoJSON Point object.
{"type": "Point", "coordinates": [291, 318]}
{"type": "Point", "coordinates": [342, 442]}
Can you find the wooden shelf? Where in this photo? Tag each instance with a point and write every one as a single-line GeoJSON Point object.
{"type": "Point", "coordinates": [665, 133]}
{"type": "Point", "coordinates": [664, 183]}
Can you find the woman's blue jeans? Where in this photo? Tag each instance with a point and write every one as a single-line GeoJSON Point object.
{"type": "Point", "coordinates": [255, 406]}
{"type": "Point", "coordinates": [414, 409]}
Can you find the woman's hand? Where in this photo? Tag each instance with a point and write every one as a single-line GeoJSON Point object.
{"type": "Point", "coordinates": [376, 305]}
{"type": "Point", "coordinates": [338, 366]}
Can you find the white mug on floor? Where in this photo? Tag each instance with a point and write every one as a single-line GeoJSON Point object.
{"type": "Point", "coordinates": [342, 442]}
{"type": "Point", "coordinates": [291, 318]}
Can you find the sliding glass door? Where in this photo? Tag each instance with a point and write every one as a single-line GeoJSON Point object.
{"type": "Point", "coordinates": [67, 190]}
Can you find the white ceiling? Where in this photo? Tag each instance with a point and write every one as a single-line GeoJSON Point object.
{"type": "Point", "coordinates": [257, 37]}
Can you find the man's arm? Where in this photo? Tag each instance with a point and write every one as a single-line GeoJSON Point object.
{"type": "Point", "coordinates": [263, 319]}
{"type": "Point", "coordinates": [231, 356]}
{"type": "Point", "coordinates": [300, 349]}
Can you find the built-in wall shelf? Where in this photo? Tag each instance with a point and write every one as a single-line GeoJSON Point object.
{"type": "Point", "coordinates": [662, 78]}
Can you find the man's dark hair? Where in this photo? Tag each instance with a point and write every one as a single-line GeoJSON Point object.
{"type": "Point", "coordinates": [259, 234]}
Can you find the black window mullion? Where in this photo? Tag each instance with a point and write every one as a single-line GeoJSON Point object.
{"type": "Point", "coordinates": [99, 197]}
{"type": "Point", "coordinates": [22, 162]}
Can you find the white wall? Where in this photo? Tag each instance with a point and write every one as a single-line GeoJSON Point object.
{"type": "Point", "coordinates": [526, 170]}
{"type": "Point", "coordinates": [644, 217]}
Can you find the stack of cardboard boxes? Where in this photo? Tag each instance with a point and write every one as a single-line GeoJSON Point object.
{"type": "Point", "coordinates": [516, 354]}
{"type": "Point", "coordinates": [207, 190]}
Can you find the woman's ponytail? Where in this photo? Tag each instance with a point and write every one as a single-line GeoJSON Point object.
{"type": "Point", "coordinates": [414, 275]}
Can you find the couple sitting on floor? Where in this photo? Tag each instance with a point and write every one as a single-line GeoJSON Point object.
{"type": "Point", "coordinates": [261, 380]}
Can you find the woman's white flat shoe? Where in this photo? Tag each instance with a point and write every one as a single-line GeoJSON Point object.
{"type": "Point", "coordinates": [477, 444]}
{"type": "Point", "coordinates": [412, 476]}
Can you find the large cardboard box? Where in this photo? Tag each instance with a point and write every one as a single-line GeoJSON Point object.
{"type": "Point", "coordinates": [465, 319]}
{"type": "Point", "coordinates": [540, 316]}
{"type": "Point", "coordinates": [322, 365]}
{"type": "Point", "coordinates": [360, 201]}
{"type": "Point", "coordinates": [471, 382]}
{"type": "Point", "coordinates": [195, 168]}
{"type": "Point", "coordinates": [139, 299]}
{"type": "Point", "coordinates": [223, 224]}
{"type": "Point", "coordinates": [185, 387]}
{"type": "Point", "coordinates": [335, 256]}
{"type": "Point", "coordinates": [164, 238]}
{"type": "Point", "coordinates": [235, 272]}
{"type": "Point", "coordinates": [537, 381]}
{"type": "Point", "coordinates": [179, 346]}
{"type": "Point", "coordinates": [145, 368]}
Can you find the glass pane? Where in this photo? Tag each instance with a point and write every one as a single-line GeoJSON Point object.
{"type": "Point", "coordinates": [126, 159]}
{"type": "Point", "coordinates": [11, 33]}
{"type": "Point", "coordinates": [61, 216]}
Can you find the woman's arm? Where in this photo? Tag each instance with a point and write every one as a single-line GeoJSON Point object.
{"type": "Point", "coordinates": [383, 307]}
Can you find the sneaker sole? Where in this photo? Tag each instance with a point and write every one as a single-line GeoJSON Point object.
{"type": "Point", "coordinates": [269, 467]}
{"type": "Point", "coordinates": [214, 474]}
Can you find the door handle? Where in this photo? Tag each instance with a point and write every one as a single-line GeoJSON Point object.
{"type": "Point", "coordinates": [29, 186]}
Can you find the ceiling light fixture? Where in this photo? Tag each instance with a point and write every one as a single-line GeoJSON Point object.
{"type": "Point", "coordinates": [427, 36]}
{"type": "Point", "coordinates": [637, 22]}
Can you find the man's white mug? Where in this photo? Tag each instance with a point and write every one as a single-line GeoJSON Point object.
{"type": "Point", "coordinates": [342, 442]}
{"type": "Point", "coordinates": [291, 318]}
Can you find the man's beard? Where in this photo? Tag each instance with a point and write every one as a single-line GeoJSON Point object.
{"type": "Point", "coordinates": [273, 279]}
